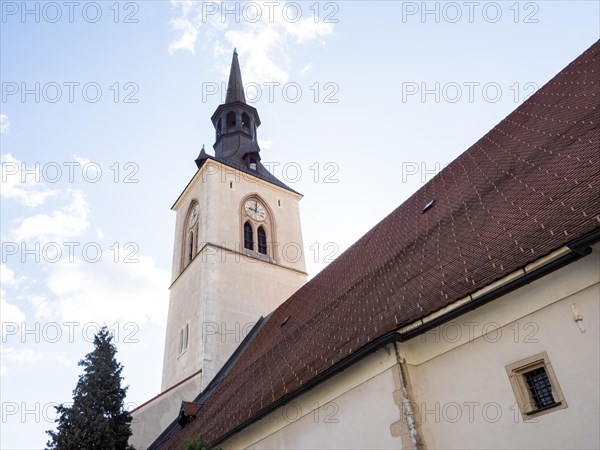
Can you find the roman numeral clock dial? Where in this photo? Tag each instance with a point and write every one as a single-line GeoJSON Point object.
{"type": "Point", "coordinates": [255, 210]}
{"type": "Point", "coordinates": [194, 215]}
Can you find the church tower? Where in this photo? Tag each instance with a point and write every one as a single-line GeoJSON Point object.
{"type": "Point", "coordinates": [238, 251]}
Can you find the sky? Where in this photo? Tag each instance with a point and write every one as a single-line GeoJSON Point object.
{"type": "Point", "coordinates": [105, 105]}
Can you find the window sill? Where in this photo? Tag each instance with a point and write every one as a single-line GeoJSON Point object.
{"type": "Point", "coordinates": [545, 408]}
{"type": "Point", "coordinates": [257, 255]}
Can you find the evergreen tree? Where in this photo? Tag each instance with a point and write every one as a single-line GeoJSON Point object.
{"type": "Point", "coordinates": [199, 444]}
{"type": "Point", "coordinates": [97, 419]}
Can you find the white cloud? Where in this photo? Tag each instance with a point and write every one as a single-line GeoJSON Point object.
{"type": "Point", "coordinates": [26, 356]}
{"type": "Point", "coordinates": [306, 29]}
{"type": "Point", "coordinates": [27, 190]}
{"type": "Point", "coordinates": [81, 160]}
{"type": "Point", "coordinates": [107, 291]}
{"type": "Point", "coordinates": [188, 34]}
{"type": "Point", "coordinates": [7, 276]}
{"type": "Point", "coordinates": [264, 145]}
{"type": "Point", "coordinates": [60, 225]}
{"type": "Point", "coordinates": [42, 308]}
{"type": "Point", "coordinates": [306, 68]}
{"type": "Point", "coordinates": [258, 46]}
{"type": "Point", "coordinates": [4, 123]}
{"type": "Point", "coordinates": [265, 43]}
{"type": "Point", "coordinates": [82, 291]}
{"type": "Point", "coordinates": [9, 312]}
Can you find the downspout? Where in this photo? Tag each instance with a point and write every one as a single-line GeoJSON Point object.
{"type": "Point", "coordinates": [407, 402]}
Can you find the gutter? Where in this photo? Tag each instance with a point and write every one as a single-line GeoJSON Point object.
{"type": "Point", "coordinates": [525, 279]}
{"type": "Point", "coordinates": [572, 252]}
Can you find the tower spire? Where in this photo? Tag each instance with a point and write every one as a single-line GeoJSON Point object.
{"type": "Point", "coordinates": [236, 123]}
{"type": "Point", "coordinates": [235, 87]}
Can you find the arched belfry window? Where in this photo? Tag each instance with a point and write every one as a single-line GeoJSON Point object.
{"type": "Point", "coordinates": [262, 240]}
{"type": "Point", "coordinates": [190, 234]}
{"type": "Point", "coordinates": [246, 123]}
{"type": "Point", "coordinates": [248, 236]}
{"type": "Point", "coordinates": [257, 228]}
{"type": "Point", "coordinates": [230, 121]}
{"type": "Point", "coordinates": [219, 127]}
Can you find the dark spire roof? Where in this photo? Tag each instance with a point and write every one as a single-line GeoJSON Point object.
{"type": "Point", "coordinates": [235, 87]}
{"type": "Point", "coordinates": [235, 124]}
{"type": "Point", "coordinates": [201, 157]}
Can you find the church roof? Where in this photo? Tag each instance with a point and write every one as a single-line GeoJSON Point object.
{"type": "Point", "coordinates": [528, 187]}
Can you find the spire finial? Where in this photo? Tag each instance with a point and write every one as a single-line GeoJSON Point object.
{"type": "Point", "coordinates": [235, 50]}
{"type": "Point", "coordinates": [201, 157]}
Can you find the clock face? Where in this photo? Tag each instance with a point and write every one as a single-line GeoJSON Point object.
{"type": "Point", "coordinates": [194, 215]}
{"type": "Point", "coordinates": [255, 210]}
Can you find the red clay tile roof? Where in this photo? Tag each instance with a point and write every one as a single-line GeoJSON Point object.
{"type": "Point", "coordinates": [191, 408]}
{"type": "Point", "coordinates": [525, 189]}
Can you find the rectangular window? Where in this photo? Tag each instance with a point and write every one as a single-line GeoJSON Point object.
{"type": "Point", "coordinates": [535, 386]}
{"type": "Point", "coordinates": [540, 387]}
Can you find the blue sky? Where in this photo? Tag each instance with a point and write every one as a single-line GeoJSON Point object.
{"type": "Point", "coordinates": [360, 102]}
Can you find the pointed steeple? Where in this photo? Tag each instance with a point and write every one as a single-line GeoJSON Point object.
{"type": "Point", "coordinates": [236, 122]}
{"type": "Point", "coordinates": [235, 87]}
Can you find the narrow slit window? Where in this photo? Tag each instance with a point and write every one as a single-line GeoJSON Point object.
{"type": "Point", "coordinates": [191, 247]}
{"type": "Point", "coordinates": [186, 335]}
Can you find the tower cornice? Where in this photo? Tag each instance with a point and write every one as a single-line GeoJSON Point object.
{"type": "Point", "coordinates": [255, 177]}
